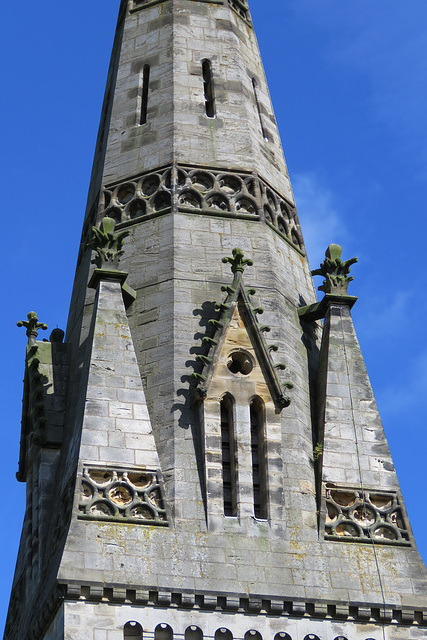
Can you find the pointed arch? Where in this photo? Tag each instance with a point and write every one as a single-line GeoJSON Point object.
{"type": "Point", "coordinates": [228, 456]}
{"type": "Point", "coordinates": [259, 458]}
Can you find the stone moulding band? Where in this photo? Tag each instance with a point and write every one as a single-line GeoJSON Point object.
{"type": "Point", "coordinates": [239, 7]}
{"type": "Point", "coordinates": [357, 612]}
{"type": "Point", "coordinates": [143, 596]}
{"type": "Point", "coordinates": [204, 191]}
{"type": "Point", "coordinates": [136, 5]}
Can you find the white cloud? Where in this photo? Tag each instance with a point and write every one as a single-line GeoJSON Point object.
{"type": "Point", "coordinates": [319, 216]}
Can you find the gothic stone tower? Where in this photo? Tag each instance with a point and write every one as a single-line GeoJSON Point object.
{"type": "Point", "coordinates": [192, 471]}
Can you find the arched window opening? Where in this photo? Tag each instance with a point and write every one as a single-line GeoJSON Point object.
{"type": "Point", "coordinates": [259, 470]}
{"type": "Point", "coordinates": [208, 89]}
{"type": "Point", "coordinates": [163, 632]}
{"type": "Point", "coordinates": [253, 635]}
{"type": "Point", "coordinates": [133, 630]}
{"type": "Point", "coordinates": [223, 634]}
{"type": "Point", "coordinates": [144, 94]}
{"type": "Point", "coordinates": [228, 453]}
{"type": "Point", "coordinates": [193, 633]}
{"type": "Point", "coordinates": [282, 636]}
{"type": "Point", "coordinates": [264, 131]}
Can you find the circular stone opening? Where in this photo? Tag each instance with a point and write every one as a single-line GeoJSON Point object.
{"type": "Point", "coordinates": [240, 362]}
{"type": "Point", "coordinates": [120, 495]}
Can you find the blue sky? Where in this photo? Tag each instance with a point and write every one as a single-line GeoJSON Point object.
{"type": "Point", "coordinates": [349, 86]}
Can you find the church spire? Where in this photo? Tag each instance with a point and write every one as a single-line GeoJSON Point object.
{"type": "Point", "coordinates": [204, 474]}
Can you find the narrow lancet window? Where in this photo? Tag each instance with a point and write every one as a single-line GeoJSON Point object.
{"type": "Point", "coordinates": [229, 487]}
{"type": "Point", "coordinates": [208, 89]}
{"type": "Point", "coordinates": [258, 106]}
{"type": "Point", "coordinates": [144, 94]}
{"type": "Point", "coordinates": [259, 470]}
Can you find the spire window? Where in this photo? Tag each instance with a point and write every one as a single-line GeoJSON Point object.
{"type": "Point", "coordinates": [208, 89]}
{"type": "Point", "coordinates": [229, 483]}
{"type": "Point", "coordinates": [259, 471]}
{"type": "Point", "coordinates": [144, 94]}
{"type": "Point", "coordinates": [264, 131]}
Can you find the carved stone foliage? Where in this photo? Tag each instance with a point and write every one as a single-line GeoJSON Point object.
{"type": "Point", "coordinates": [122, 496]}
{"type": "Point", "coordinates": [335, 271]}
{"type": "Point", "coordinates": [201, 191]}
{"type": "Point", "coordinates": [107, 244]}
{"type": "Point", "coordinates": [32, 326]}
{"type": "Point", "coordinates": [355, 515]}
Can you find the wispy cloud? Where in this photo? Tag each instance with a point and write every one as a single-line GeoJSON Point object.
{"type": "Point", "coordinates": [408, 391]}
{"type": "Point", "coordinates": [385, 42]}
{"type": "Point", "coordinates": [319, 215]}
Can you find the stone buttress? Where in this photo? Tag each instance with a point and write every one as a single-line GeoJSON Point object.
{"type": "Point", "coordinates": [203, 458]}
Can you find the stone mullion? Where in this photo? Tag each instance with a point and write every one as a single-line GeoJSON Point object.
{"type": "Point", "coordinates": [272, 450]}
{"type": "Point", "coordinates": [213, 459]}
{"type": "Point", "coordinates": [245, 494]}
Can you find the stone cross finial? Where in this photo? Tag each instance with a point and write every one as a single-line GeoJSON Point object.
{"type": "Point", "coordinates": [238, 262]}
{"type": "Point", "coordinates": [335, 271]}
{"type": "Point", "coordinates": [107, 244]}
{"type": "Point", "coordinates": [32, 325]}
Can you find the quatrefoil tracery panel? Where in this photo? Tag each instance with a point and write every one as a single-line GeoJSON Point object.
{"type": "Point", "coordinates": [122, 496]}
{"type": "Point", "coordinates": [203, 191]}
{"type": "Point", "coordinates": [364, 516]}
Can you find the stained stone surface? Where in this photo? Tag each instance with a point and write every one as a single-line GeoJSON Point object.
{"type": "Point", "coordinates": [130, 407]}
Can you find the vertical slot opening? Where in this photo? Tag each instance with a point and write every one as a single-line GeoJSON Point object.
{"type": "Point", "coordinates": [144, 94]}
{"type": "Point", "coordinates": [228, 455]}
{"type": "Point", "coordinates": [264, 131]}
{"type": "Point", "coordinates": [259, 467]}
{"type": "Point", "coordinates": [208, 89]}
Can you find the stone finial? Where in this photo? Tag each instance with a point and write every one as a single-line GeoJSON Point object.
{"type": "Point", "coordinates": [107, 244]}
{"type": "Point", "coordinates": [238, 262]}
{"type": "Point", "coordinates": [32, 325]}
{"type": "Point", "coordinates": [335, 271]}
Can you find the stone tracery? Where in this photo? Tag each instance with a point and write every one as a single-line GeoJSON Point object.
{"type": "Point", "coordinates": [202, 191]}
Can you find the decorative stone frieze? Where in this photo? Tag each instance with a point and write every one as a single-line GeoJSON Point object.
{"type": "Point", "coordinates": [202, 191]}
{"type": "Point", "coordinates": [241, 8]}
{"type": "Point", "coordinates": [135, 5]}
{"type": "Point", "coordinates": [132, 495]}
{"type": "Point", "coordinates": [355, 515]}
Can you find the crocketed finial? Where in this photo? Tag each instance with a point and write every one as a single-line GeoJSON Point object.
{"type": "Point", "coordinates": [238, 262]}
{"type": "Point", "coordinates": [32, 325]}
{"type": "Point", "coordinates": [107, 243]}
{"type": "Point", "coordinates": [335, 271]}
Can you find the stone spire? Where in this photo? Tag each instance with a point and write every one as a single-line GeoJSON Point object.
{"type": "Point", "coordinates": [203, 473]}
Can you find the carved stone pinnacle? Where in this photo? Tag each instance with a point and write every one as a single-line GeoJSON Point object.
{"type": "Point", "coordinates": [335, 271]}
{"type": "Point", "coordinates": [108, 244]}
{"type": "Point", "coordinates": [32, 325]}
{"type": "Point", "coordinates": [238, 262]}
